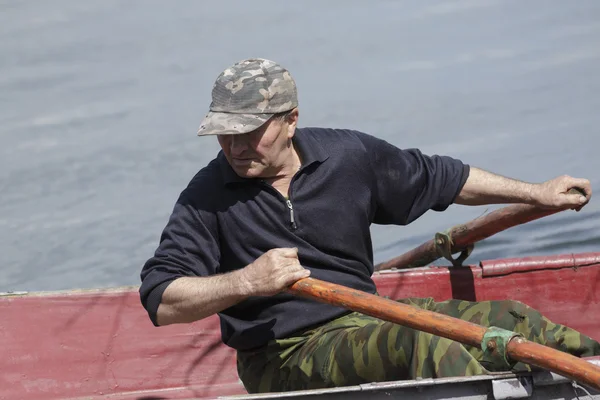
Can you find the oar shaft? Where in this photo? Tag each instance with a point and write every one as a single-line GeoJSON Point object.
{"type": "Point", "coordinates": [442, 325]}
{"type": "Point", "coordinates": [497, 221]}
{"type": "Point", "coordinates": [562, 363]}
{"type": "Point", "coordinates": [469, 233]}
{"type": "Point", "coordinates": [389, 310]}
{"type": "Point", "coordinates": [417, 257]}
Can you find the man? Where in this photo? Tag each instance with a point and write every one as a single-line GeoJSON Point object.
{"type": "Point", "coordinates": [280, 203]}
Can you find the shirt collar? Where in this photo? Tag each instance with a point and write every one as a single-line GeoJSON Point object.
{"type": "Point", "coordinates": [311, 151]}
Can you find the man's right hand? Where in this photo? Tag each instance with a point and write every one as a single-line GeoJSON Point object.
{"type": "Point", "coordinates": [273, 272]}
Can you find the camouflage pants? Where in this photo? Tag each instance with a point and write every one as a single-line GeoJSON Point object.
{"type": "Point", "coordinates": [357, 349]}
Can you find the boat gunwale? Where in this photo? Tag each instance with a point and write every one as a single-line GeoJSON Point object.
{"type": "Point", "coordinates": [538, 378]}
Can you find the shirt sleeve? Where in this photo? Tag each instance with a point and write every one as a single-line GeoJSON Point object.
{"type": "Point", "coordinates": [188, 247]}
{"type": "Point", "coordinates": [409, 183]}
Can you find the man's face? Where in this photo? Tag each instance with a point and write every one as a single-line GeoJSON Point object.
{"type": "Point", "coordinates": [261, 153]}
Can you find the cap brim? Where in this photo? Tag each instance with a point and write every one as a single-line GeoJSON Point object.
{"type": "Point", "coordinates": [220, 123]}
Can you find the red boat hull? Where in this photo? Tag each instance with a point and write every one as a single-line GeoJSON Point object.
{"type": "Point", "coordinates": [94, 343]}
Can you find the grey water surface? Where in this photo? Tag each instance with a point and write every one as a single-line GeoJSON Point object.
{"type": "Point", "coordinates": [100, 102]}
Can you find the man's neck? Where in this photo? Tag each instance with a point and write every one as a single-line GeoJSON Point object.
{"type": "Point", "coordinates": [282, 181]}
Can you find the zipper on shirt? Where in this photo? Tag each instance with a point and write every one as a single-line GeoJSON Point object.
{"type": "Point", "coordinates": [287, 200]}
{"type": "Point", "coordinates": [292, 220]}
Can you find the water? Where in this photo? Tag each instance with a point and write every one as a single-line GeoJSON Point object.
{"type": "Point", "coordinates": [100, 101]}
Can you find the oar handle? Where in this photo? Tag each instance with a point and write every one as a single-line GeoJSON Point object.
{"type": "Point", "coordinates": [518, 349]}
{"type": "Point", "coordinates": [472, 232]}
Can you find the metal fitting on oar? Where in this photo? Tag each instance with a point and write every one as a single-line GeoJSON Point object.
{"type": "Point", "coordinates": [443, 245]}
{"type": "Point", "coordinates": [494, 345]}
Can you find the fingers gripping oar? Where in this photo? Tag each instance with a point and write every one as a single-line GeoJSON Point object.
{"type": "Point", "coordinates": [463, 237]}
{"type": "Point", "coordinates": [491, 341]}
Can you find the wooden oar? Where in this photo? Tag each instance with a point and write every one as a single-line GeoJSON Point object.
{"type": "Point", "coordinates": [462, 236]}
{"type": "Point", "coordinates": [517, 349]}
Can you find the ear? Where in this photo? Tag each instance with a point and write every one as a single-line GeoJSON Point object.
{"type": "Point", "coordinates": [292, 121]}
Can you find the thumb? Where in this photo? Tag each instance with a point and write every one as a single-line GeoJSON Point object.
{"type": "Point", "coordinates": [290, 252]}
{"type": "Point", "coordinates": [570, 199]}
{"type": "Point", "coordinates": [577, 195]}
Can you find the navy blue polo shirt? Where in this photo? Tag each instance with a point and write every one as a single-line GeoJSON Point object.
{"type": "Point", "coordinates": [348, 180]}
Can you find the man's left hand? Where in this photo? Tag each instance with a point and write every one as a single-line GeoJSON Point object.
{"type": "Point", "coordinates": [554, 193]}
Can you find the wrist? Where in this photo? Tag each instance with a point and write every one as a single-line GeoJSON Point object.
{"type": "Point", "coordinates": [245, 287]}
{"type": "Point", "coordinates": [532, 194]}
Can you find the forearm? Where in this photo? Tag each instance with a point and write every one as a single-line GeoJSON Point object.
{"type": "Point", "coordinates": [484, 187]}
{"type": "Point", "coordinates": [194, 298]}
{"type": "Point", "coordinates": [190, 299]}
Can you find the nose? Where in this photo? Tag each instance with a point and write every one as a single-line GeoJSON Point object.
{"type": "Point", "coordinates": [238, 144]}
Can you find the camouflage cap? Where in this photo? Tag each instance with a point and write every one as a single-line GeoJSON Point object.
{"type": "Point", "coordinates": [246, 95]}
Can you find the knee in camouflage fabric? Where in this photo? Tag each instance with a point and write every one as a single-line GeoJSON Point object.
{"type": "Point", "coordinates": [356, 348]}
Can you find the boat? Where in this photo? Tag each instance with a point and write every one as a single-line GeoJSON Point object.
{"type": "Point", "coordinates": [91, 344]}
